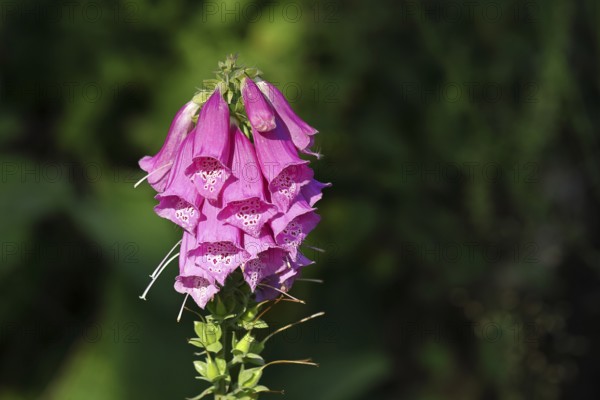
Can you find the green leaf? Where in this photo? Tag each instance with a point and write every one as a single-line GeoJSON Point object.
{"type": "Point", "coordinates": [240, 358]}
{"type": "Point", "coordinates": [217, 307]}
{"type": "Point", "coordinates": [212, 371]}
{"type": "Point", "coordinates": [208, 333]}
{"type": "Point", "coordinates": [201, 97]}
{"type": "Point", "coordinates": [261, 388]}
{"type": "Point", "coordinates": [239, 108]}
{"type": "Point", "coordinates": [254, 358]}
{"type": "Point", "coordinates": [246, 394]}
{"type": "Point", "coordinates": [214, 347]}
{"type": "Point", "coordinates": [250, 314]}
{"type": "Point", "coordinates": [216, 369]}
{"type": "Point", "coordinates": [245, 343]}
{"type": "Point", "coordinates": [238, 73]}
{"type": "Point", "coordinates": [196, 342]}
{"type": "Point", "coordinates": [201, 367]}
{"type": "Point", "coordinates": [233, 340]}
{"type": "Point", "coordinates": [256, 347]}
{"type": "Point", "coordinates": [249, 378]}
{"type": "Point", "coordinates": [203, 394]}
{"type": "Point", "coordinates": [260, 324]}
{"type": "Point", "coordinates": [253, 72]}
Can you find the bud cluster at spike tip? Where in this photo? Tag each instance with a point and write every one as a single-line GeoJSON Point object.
{"type": "Point", "coordinates": [242, 204]}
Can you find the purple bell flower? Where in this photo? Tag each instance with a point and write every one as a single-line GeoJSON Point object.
{"type": "Point", "coordinates": [244, 202]}
{"type": "Point", "coordinates": [282, 280]}
{"type": "Point", "coordinates": [265, 258]}
{"type": "Point", "coordinates": [259, 110]}
{"type": "Point", "coordinates": [285, 172]}
{"type": "Point", "coordinates": [301, 133]}
{"type": "Point", "coordinates": [180, 202]}
{"type": "Point", "coordinates": [192, 279]}
{"type": "Point", "coordinates": [219, 249]}
{"type": "Point", "coordinates": [313, 191]}
{"type": "Point", "coordinates": [208, 169]}
{"type": "Point", "coordinates": [159, 165]}
{"type": "Point", "coordinates": [291, 228]}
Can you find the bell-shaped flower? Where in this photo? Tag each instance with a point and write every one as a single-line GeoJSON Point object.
{"type": "Point", "coordinates": [254, 245]}
{"type": "Point", "coordinates": [192, 279]}
{"type": "Point", "coordinates": [180, 202]}
{"type": "Point", "coordinates": [265, 258]}
{"type": "Point", "coordinates": [244, 202]}
{"type": "Point", "coordinates": [282, 280]}
{"type": "Point", "coordinates": [159, 165]}
{"type": "Point", "coordinates": [301, 133]}
{"type": "Point", "coordinates": [285, 172]}
{"type": "Point", "coordinates": [292, 227]}
{"type": "Point", "coordinates": [312, 192]}
{"type": "Point", "coordinates": [259, 110]}
{"type": "Point", "coordinates": [208, 169]}
{"type": "Point", "coordinates": [219, 249]}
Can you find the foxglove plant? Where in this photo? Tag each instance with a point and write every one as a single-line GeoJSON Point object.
{"type": "Point", "coordinates": [229, 174]}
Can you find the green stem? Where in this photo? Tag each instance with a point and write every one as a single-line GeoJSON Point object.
{"type": "Point", "coordinates": [222, 389]}
{"type": "Point", "coordinates": [224, 338]}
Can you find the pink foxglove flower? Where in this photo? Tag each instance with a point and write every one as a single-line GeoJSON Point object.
{"type": "Point", "coordinates": [209, 167]}
{"type": "Point", "coordinates": [282, 279]}
{"type": "Point", "coordinates": [260, 112]}
{"type": "Point", "coordinates": [219, 248]}
{"type": "Point", "coordinates": [245, 203]}
{"type": "Point", "coordinates": [291, 228]}
{"type": "Point", "coordinates": [300, 132]}
{"type": "Point", "coordinates": [180, 202]}
{"type": "Point", "coordinates": [192, 279]}
{"type": "Point", "coordinates": [265, 258]}
{"type": "Point", "coordinates": [313, 191]}
{"type": "Point", "coordinates": [158, 166]}
{"type": "Point", "coordinates": [283, 169]}
{"type": "Point", "coordinates": [229, 174]}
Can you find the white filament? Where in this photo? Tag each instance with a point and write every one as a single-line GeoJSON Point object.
{"type": "Point", "coordinates": [143, 296]}
{"type": "Point", "coordinates": [182, 307]}
{"type": "Point", "coordinates": [164, 259]}
{"type": "Point", "coordinates": [151, 173]}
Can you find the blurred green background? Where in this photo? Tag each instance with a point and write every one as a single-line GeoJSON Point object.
{"type": "Point", "coordinates": [462, 231]}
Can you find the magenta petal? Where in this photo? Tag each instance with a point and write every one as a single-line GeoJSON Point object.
{"type": "Point", "coordinates": [159, 165]}
{"type": "Point", "coordinates": [255, 245]}
{"type": "Point", "coordinates": [300, 262]}
{"type": "Point", "coordinates": [262, 265]}
{"type": "Point", "coordinates": [313, 191]}
{"type": "Point", "coordinates": [244, 200]}
{"type": "Point", "coordinates": [259, 111]}
{"type": "Point", "coordinates": [201, 288]}
{"type": "Point", "coordinates": [282, 280]}
{"type": "Point", "coordinates": [286, 276]}
{"type": "Point", "coordinates": [178, 211]}
{"type": "Point", "coordinates": [218, 259]}
{"type": "Point", "coordinates": [266, 291]}
{"type": "Point", "coordinates": [180, 202]}
{"type": "Point", "coordinates": [265, 257]}
{"type": "Point", "coordinates": [285, 172]}
{"type": "Point", "coordinates": [291, 228]}
{"type": "Point", "coordinates": [212, 230]}
{"type": "Point", "coordinates": [248, 215]}
{"type": "Point", "coordinates": [193, 279]}
{"type": "Point", "coordinates": [208, 169]}
{"type": "Point", "coordinates": [187, 261]}
{"type": "Point", "coordinates": [219, 248]}
{"type": "Point", "coordinates": [300, 131]}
